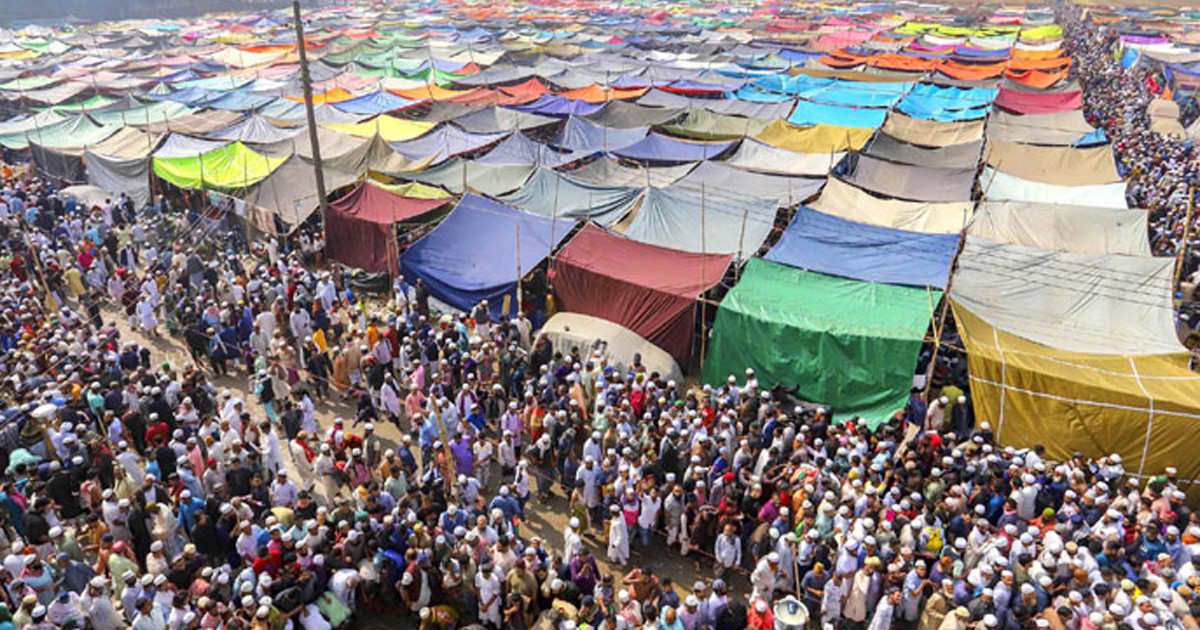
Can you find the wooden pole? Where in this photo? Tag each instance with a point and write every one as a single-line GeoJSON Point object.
{"type": "Point", "coordinates": [703, 273]}
{"type": "Point", "coordinates": [1181, 255]}
{"type": "Point", "coordinates": [448, 471]}
{"type": "Point", "coordinates": [306, 81]}
{"type": "Point", "coordinates": [519, 274]}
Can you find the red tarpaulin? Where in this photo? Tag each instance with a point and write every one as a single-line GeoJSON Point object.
{"type": "Point", "coordinates": [358, 228]}
{"type": "Point", "coordinates": [1039, 102]}
{"type": "Point", "coordinates": [648, 289]}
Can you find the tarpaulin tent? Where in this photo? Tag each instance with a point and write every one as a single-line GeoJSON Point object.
{"type": "Point", "coordinates": [518, 148]}
{"type": "Point", "coordinates": [659, 148]}
{"type": "Point", "coordinates": [1038, 102]}
{"type": "Point", "coordinates": [849, 202]}
{"type": "Point", "coordinates": [196, 124]}
{"type": "Point", "coordinates": [823, 139]}
{"type": "Point", "coordinates": [228, 167]}
{"type": "Point", "coordinates": [552, 194]}
{"type": "Point", "coordinates": [288, 196]}
{"type": "Point", "coordinates": [753, 155]}
{"type": "Point", "coordinates": [582, 136]}
{"type": "Point", "coordinates": [1062, 228]}
{"type": "Point", "coordinates": [607, 171]}
{"type": "Point", "coordinates": [614, 343]}
{"type": "Point", "coordinates": [1064, 166]}
{"type": "Point", "coordinates": [502, 119]}
{"type": "Point", "coordinates": [886, 147]}
{"type": "Point", "coordinates": [1090, 303]}
{"type": "Point", "coordinates": [121, 163]}
{"type": "Point", "coordinates": [846, 343]}
{"type": "Point", "coordinates": [458, 176]}
{"type": "Point", "coordinates": [810, 113]}
{"type": "Point", "coordinates": [360, 227]}
{"type": "Point", "coordinates": [1000, 186]}
{"type": "Point", "coordinates": [444, 143]}
{"type": "Point", "coordinates": [626, 115]}
{"type": "Point", "coordinates": [648, 289]}
{"type": "Point", "coordinates": [932, 133]}
{"type": "Point", "coordinates": [378, 102]}
{"type": "Point", "coordinates": [718, 179]}
{"type": "Point", "coordinates": [387, 127]}
{"type": "Point", "coordinates": [473, 254]}
{"type": "Point", "coordinates": [908, 181]}
{"type": "Point", "coordinates": [679, 220]}
{"type": "Point", "coordinates": [1141, 406]}
{"type": "Point", "coordinates": [255, 130]}
{"type": "Point", "coordinates": [838, 247]}
{"type": "Point", "coordinates": [705, 125]}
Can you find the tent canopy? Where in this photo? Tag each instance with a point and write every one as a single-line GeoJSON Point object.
{"type": "Point", "coordinates": [617, 344]}
{"type": "Point", "coordinates": [229, 167]}
{"type": "Point", "coordinates": [844, 200]}
{"type": "Point", "coordinates": [846, 343]}
{"type": "Point", "coordinates": [648, 289]}
{"type": "Point", "coordinates": [359, 226]}
{"type": "Point", "coordinates": [673, 219]}
{"type": "Point", "coordinates": [1062, 228]}
{"type": "Point", "coordinates": [552, 194]}
{"type": "Point", "coordinates": [1001, 186]}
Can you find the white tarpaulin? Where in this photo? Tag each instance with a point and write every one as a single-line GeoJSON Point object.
{"type": "Point", "coordinates": [612, 341]}
{"type": "Point", "coordinates": [848, 202]}
{"type": "Point", "coordinates": [1000, 186]}
{"type": "Point", "coordinates": [1062, 228]}
{"type": "Point", "coordinates": [753, 155]}
{"type": "Point", "coordinates": [1091, 303]}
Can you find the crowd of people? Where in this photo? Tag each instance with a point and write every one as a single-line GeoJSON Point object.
{"type": "Point", "coordinates": [145, 493]}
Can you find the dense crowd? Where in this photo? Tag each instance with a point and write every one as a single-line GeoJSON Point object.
{"type": "Point", "coordinates": [143, 493]}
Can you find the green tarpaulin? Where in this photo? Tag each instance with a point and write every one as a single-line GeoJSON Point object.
{"type": "Point", "coordinates": [231, 166]}
{"type": "Point", "coordinates": [849, 344]}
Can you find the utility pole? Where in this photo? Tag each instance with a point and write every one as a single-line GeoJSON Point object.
{"type": "Point", "coordinates": [306, 81]}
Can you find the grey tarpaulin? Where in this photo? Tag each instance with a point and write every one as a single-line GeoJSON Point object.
{"type": "Point", "coordinates": [457, 175]}
{"type": "Point", "coordinates": [672, 218]}
{"type": "Point", "coordinates": [553, 194]}
{"type": "Point", "coordinates": [720, 180]}
{"type": "Point", "coordinates": [906, 181]}
{"type": "Point", "coordinates": [608, 171]}
{"type": "Point", "coordinates": [886, 147]}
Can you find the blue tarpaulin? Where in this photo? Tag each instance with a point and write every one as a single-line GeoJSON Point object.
{"type": "Point", "coordinates": [472, 254]}
{"type": "Point", "coordinates": [834, 246]}
{"type": "Point", "coordinates": [947, 104]}
{"type": "Point", "coordinates": [808, 113]}
{"type": "Point", "coordinates": [1130, 57]}
{"type": "Point", "coordinates": [581, 135]}
{"type": "Point", "coordinates": [444, 143]}
{"type": "Point", "coordinates": [659, 148]}
{"type": "Point", "coordinates": [518, 148]}
{"type": "Point", "coordinates": [551, 105]}
{"type": "Point", "coordinates": [858, 94]}
{"type": "Point", "coordinates": [379, 102]}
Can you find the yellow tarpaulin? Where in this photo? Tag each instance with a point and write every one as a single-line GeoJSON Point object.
{"type": "Point", "coordinates": [389, 128]}
{"type": "Point", "coordinates": [1144, 407]}
{"type": "Point", "coordinates": [815, 139]}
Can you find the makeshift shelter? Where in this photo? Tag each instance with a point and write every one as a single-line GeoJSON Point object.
{"type": "Point", "coordinates": [480, 251]}
{"type": "Point", "coordinates": [705, 125]}
{"type": "Point", "coordinates": [121, 163]}
{"type": "Point", "coordinates": [389, 128]}
{"type": "Point", "coordinates": [648, 289]}
{"type": "Point", "coordinates": [753, 155]}
{"type": "Point", "coordinates": [844, 200]}
{"type": "Point", "coordinates": [360, 227]}
{"type": "Point", "coordinates": [1141, 406]}
{"type": "Point", "coordinates": [886, 147]}
{"type": "Point", "coordinates": [908, 181]}
{"type": "Point", "coordinates": [1000, 186]}
{"type": "Point", "coordinates": [1089, 303]}
{"type": "Point", "coordinates": [838, 247]}
{"type": "Point", "coordinates": [659, 148]}
{"type": "Point", "coordinates": [1064, 166]}
{"type": "Point", "coordinates": [932, 133]}
{"type": "Point", "coordinates": [552, 194]}
{"type": "Point", "coordinates": [713, 225]}
{"type": "Point", "coordinates": [228, 167]}
{"type": "Point", "coordinates": [719, 179]}
{"type": "Point", "coordinates": [612, 342]}
{"type": "Point", "coordinates": [582, 136]}
{"type": "Point", "coordinates": [458, 176]}
{"type": "Point", "coordinates": [1062, 228]}
{"type": "Point", "coordinates": [820, 139]}
{"type": "Point", "coordinates": [607, 171]}
{"type": "Point", "coordinates": [846, 343]}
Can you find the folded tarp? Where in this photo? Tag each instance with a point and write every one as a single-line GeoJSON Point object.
{"type": "Point", "coordinates": [705, 125]}
{"type": "Point", "coordinates": [444, 143]}
{"type": "Point", "coordinates": [659, 148]}
{"type": "Point", "coordinates": [848, 202]}
{"type": "Point", "coordinates": [1000, 186]}
{"type": "Point", "coordinates": [886, 147]}
{"type": "Point", "coordinates": [1039, 102]}
{"type": "Point", "coordinates": [845, 343]}
{"type": "Point", "coordinates": [379, 102]}
{"type": "Point", "coordinates": [712, 225]}
{"type": "Point", "coordinates": [810, 113]}
{"type": "Point", "coordinates": [648, 289]}
{"type": "Point", "coordinates": [719, 179]}
{"type": "Point", "coordinates": [387, 127]}
{"type": "Point", "coordinates": [624, 115]}
{"type": "Point", "coordinates": [502, 119]}
{"type": "Point", "coordinates": [553, 194]}
{"type": "Point", "coordinates": [614, 343]}
{"type": "Point", "coordinates": [360, 227]}
{"type": "Point", "coordinates": [255, 130]}
{"type": "Point", "coordinates": [582, 136]}
{"type": "Point", "coordinates": [1057, 128]}
{"type": "Point", "coordinates": [822, 139]}
{"type": "Point", "coordinates": [474, 255]}
{"type": "Point", "coordinates": [458, 175]}
{"type": "Point", "coordinates": [518, 148]}
{"type": "Point", "coordinates": [611, 172]}
{"type": "Point", "coordinates": [1062, 228]}
{"type": "Point", "coordinates": [1089, 303]}
{"type": "Point", "coordinates": [1142, 407]}
{"type": "Point", "coordinates": [908, 181]}
{"type": "Point", "coordinates": [229, 167]}
{"type": "Point", "coordinates": [753, 155]}
{"type": "Point", "coordinates": [834, 246]}
{"type": "Point", "coordinates": [1065, 166]}
{"type": "Point", "coordinates": [932, 133]}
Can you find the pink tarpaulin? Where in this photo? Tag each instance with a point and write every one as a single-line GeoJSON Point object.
{"type": "Point", "coordinates": [1039, 102]}
{"type": "Point", "coordinates": [358, 227]}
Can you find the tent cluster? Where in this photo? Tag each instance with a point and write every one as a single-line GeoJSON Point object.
{"type": "Point", "coordinates": [835, 171]}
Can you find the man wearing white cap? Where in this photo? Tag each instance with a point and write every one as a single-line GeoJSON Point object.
{"type": "Point", "coordinates": [572, 541]}
{"type": "Point", "coordinates": [618, 537]}
{"type": "Point", "coordinates": [97, 604]}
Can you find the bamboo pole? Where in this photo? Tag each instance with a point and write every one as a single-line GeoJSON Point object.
{"type": "Point", "coordinates": [1181, 254]}
{"type": "Point", "coordinates": [703, 273]}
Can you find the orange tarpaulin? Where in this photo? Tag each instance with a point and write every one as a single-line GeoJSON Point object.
{"type": "Point", "coordinates": [897, 61]}
{"type": "Point", "coordinates": [970, 72]}
{"type": "Point", "coordinates": [1021, 53]}
{"type": "Point", "coordinates": [531, 89]}
{"type": "Point", "coordinates": [594, 93]}
{"type": "Point", "coordinates": [1037, 78]}
{"type": "Point", "coordinates": [431, 92]}
{"type": "Point", "coordinates": [1054, 63]}
{"type": "Point", "coordinates": [843, 60]}
{"type": "Point", "coordinates": [336, 95]}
